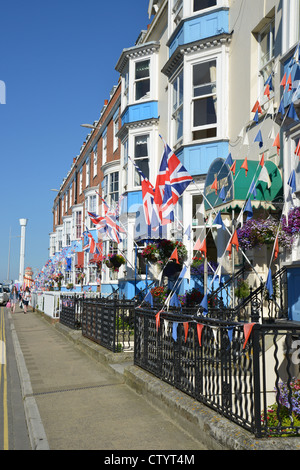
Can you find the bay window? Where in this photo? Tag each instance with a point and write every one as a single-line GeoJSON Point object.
{"type": "Point", "coordinates": [203, 4]}
{"type": "Point", "coordinates": [141, 157]}
{"type": "Point", "coordinates": [204, 99]}
{"type": "Point", "coordinates": [142, 79]}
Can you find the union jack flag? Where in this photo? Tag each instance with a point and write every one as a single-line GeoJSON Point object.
{"type": "Point", "coordinates": [147, 193]}
{"type": "Point", "coordinates": [171, 182]}
{"type": "Point", "coordinates": [109, 224]}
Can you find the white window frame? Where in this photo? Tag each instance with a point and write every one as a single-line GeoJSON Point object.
{"type": "Point", "coordinates": [204, 96]}
{"type": "Point", "coordinates": [138, 159]}
{"type": "Point", "coordinates": [220, 54]}
{"type": "Point", "coordinates": [80, 181]}
{"type": "Point", "coordinates": [116, 130]}
{"type": "Point", "coordinates": [95, 160]}
{"type": "Point", "coordinates": [87, 172]}
{"type": "Point", "coordinates": [179, 109]}
{"type": "Point", "coordinates": [104, 148]}
{"type": "Point", "coordinates": [265, 68]}
{"type": "Point", "coordinates": [77, 225]}
{"type": "Point", "coordinates": [90, 206]}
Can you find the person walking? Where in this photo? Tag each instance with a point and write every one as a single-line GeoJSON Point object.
{"type": "Point", "coordinates": [13, 297]}
{"type": "Point", "coordinates": [26, 299]}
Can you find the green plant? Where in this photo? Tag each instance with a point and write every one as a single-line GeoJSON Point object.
{"type": "Point", "coordinates": [242, 290]}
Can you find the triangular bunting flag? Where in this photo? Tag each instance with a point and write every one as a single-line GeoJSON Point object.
{"type": "Point", "coordinates": [292, 113]}
{"type": "Point", "coordinates": [222, 194]}
{"type": "Point", "coordinates": [215, 186]}
{"type": "Point", "coordinates": [297, 150]}
{"type": "Point", "coordinates": [292, 181]}
{"type": "Point", "coordinates": [201, 247]}
{"type": "Point", "coordinates": [233, 242]}
{"type": "Point", "coordinates": [229, 160]}
{"type": "Point", "coordinates": [257, 107]}
{"type": "Point", "coordinates": [245, 166]}
{"type": "Point", "coordinates": [248, 209]}
{"type": "Point", "coordinates": [289, 83]}
{"type": "Point", "coordinates": [277, 143]}
{"type": "Point", "coordinates": [281, 109]}
{"type": "Point", "coordinates": [247, 332]}
{"type": "Point", "coordinates": [233, 167]}
{"type": "Point", "coordinates": [267, 91]}
{"type": "Point", "coordinates": [174, 301]}
{"type": "Point", "coordinates": [259, 139]}
{"type": "Point", "coordinates": [256, 117]}
{"type": "Point", "coordinates": [174, 330]}
{"type": "Point", "coordinates": [157, 320]}
{"type": "Point", "coordinates": [199, 332]}
{"type": "Point", "coordinates": [174, 256]}
{"type": "Point", "coordinates": [252, 189]}
{"type": "Point", "coordinates": [149, 298]}
{"type": "Point", "coordinates": [219, 222]}
{"type": "Point", "coordinates": [215, 331]}
{"type": "Point", "coordinates": [204, 305]}
{"type": "Point", "coordinates": [269, 284]}
{"type": "Point", "coordinates": [186, 330]}
{"type": "Point", "coordinates": [262, 160]}
{"type": "Point", "coordinates": [264, 176]}
{"type": "Point", "coordinates": [283, 81]}
{"type": "Point", "coordinates": [276, 249]}
{"type": "Point", "coordinates": [230, 333]}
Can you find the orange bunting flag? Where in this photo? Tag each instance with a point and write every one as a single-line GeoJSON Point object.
{"type": "Point", "coordinates": [174, 256]}
{"type": "Point", "coordinates": [283, 81]}
{"type": "Point", "coordinates": [267, 91]}
{"type": "Point", "coordinates": [262, 160]}
{"type": "Point", "coordinates": [233, 242]}
{"type": "Point", "coordinates": [297, 151]}
{"type": "Point", "coordinates": [277, 143]}
{"type": "Point", "coordinates": [215, 186]}
{"type": "Point", "coordinates": [157, 320]}
{"type": "Point", "coordinates": [247, 332]}
{"type": "Point", "coordinates": [276, 249]}
{"type": "Point", "coordinates": [245, 166]}
{"type": "Point", "coordinates": [186, 330]}
{"type": "Point", "coordinates": [289, 82]}
{"type": "Point", "coordinates": [232, 168]}
{"type": "Point", "coordinates": [257, 107]}
{"type": "Point", "coordinates": [202, 248]}
{"type": "Point", "coordinates": [199, 332]}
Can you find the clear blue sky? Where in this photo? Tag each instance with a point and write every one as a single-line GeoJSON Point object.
{"type": "Point", "coordinates": [57, 60]}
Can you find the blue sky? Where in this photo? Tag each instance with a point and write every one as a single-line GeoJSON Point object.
{"type": "Point", "coordinates": [57, 60]}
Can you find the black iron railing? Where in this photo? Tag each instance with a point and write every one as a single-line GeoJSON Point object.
{"type": "Point", "coordinates": [211, 360]}
{"type": "Point", "coordinates": [109, 322]}
{"type": "Point", "coordinates": [70, 310]}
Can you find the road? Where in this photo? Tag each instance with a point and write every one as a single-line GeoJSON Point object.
{"type": "Point", "coordinates": [13, 426]}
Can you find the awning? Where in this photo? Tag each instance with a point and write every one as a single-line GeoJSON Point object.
{"type": "Point", "coordinates": [237, 188]}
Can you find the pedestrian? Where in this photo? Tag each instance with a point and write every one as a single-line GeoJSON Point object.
{"type": "Point", "coordinates": [13, 297]}
{"type": "Point", "coordinates": [26, 299]}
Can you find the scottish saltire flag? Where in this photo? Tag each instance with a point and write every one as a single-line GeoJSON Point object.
{"type": "Point", "coordinates": [172, 180]}
{"type": "Point", "coordinates": [147, 193]}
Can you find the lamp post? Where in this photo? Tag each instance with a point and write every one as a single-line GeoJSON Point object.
{"type": "Point", "coordinates": [23, 223]}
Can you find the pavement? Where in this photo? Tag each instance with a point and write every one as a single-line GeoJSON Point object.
{"type": "Point", "coordinates": [80, 396]}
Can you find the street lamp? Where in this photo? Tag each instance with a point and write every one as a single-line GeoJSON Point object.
{"type": "Point", "coordinates": [89, 126]}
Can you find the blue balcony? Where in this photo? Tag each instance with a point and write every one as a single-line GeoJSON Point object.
{"type": "Point", "coordinates": [200, 27]}
{"type": "Point", "coordinates": [198, 158]}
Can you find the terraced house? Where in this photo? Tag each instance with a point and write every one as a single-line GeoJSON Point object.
{"type": "Point", "coordinates": [206, 76]}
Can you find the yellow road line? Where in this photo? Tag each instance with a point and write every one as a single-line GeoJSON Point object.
{"type": "Point", "coordinates": [5, 411]}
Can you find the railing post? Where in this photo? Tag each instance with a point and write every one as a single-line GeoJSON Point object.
{"type": "Point", "coordinates": [256, 378]}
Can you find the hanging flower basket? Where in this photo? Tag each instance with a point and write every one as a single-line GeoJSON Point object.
{"type": "Point", "coordinates": [161, 250]}
{"type": "Point", "coordinates": [114, 261]}
{"type": "Point", "coordinates": [257, 233]}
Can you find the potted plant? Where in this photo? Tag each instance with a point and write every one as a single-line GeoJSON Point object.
{"type": "Point", "coordinates": [114, 261]}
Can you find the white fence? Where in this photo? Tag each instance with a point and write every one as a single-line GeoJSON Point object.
{"type": "Point", "coordinates": [49, 302]}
